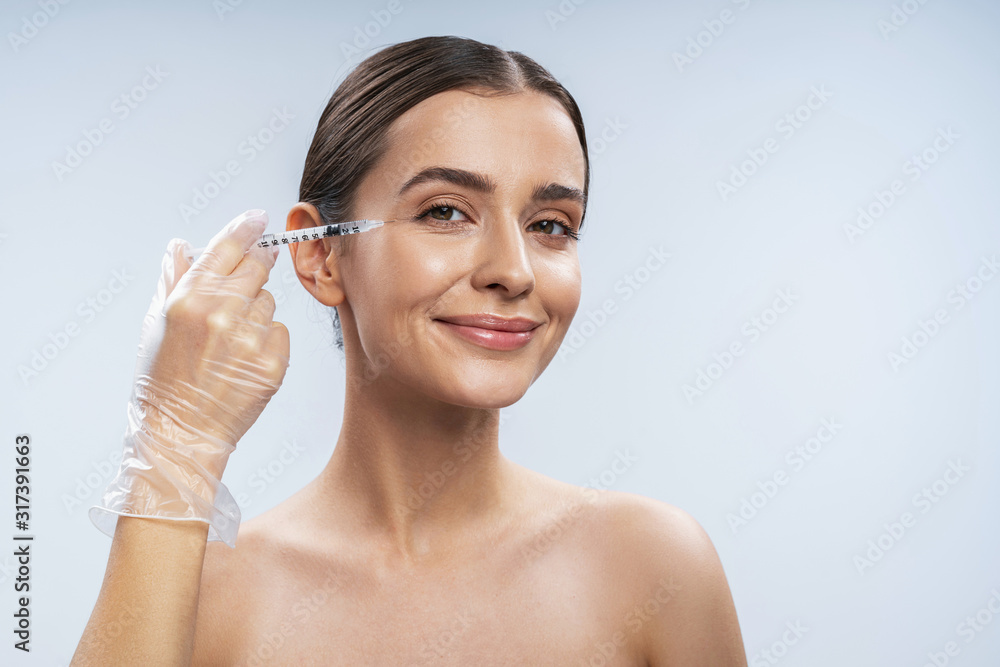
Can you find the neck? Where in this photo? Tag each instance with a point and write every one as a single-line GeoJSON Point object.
{"type": "Point", "coordinates": [415, 475]}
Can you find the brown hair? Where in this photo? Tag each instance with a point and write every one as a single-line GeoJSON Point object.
{"type": "Point", "coordinates": [351, 135]}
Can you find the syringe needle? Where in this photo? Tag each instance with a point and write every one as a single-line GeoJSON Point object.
{"type": "Point", "coordinates": [310, 234]}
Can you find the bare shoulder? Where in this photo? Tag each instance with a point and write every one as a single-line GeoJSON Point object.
{"type": "Point", "coordinates": [659, 530]}
{"type": "Point", "coordinates": [628, 521]}
{"type": "Point", "coordinates": [651, 540]}
{"type": "Point", "coordinates": [649, 529]}
{"type": "Point", "coordinates": [231, 587]}
{"type": "Point", "coordinates": [655, 569]}
{"type": "Point", "coordinates": [675, 580]}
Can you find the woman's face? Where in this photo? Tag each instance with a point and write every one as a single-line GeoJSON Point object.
{"type": "Point", "coordinates": [480, 192]}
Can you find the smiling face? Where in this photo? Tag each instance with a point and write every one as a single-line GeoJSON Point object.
{"type": "Point", "coordinates": [482, 195]}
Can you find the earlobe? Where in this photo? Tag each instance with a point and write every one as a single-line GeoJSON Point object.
{"type": "Point", "coordinates": [315, 262]}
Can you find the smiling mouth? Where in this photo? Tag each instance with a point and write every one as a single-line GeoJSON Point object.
{"type": "Point", "coordinates": [492, 339]}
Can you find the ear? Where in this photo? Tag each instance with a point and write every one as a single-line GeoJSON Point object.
{"type": "Point", "coordinates": [315, 262]}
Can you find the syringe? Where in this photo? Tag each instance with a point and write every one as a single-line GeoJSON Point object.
{"type": "Point", "coordinates": [310, 234]}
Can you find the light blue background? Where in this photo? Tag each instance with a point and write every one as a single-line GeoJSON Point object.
{"type": "Point", "coordinates": [670, 134]}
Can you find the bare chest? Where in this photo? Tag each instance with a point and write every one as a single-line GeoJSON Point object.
{"type": "Point", "coordinates": [552, 613]}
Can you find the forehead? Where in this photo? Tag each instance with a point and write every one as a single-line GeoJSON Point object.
{"type": "Point", "coordinates": [514, 137]}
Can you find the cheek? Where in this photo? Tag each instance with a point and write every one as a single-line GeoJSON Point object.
{"type": "Point", "coordinates": [407, 279]}
{"type": "Point", "coordinates": [559, 285]}
{"type": "Point", "coordinates": [418, 270]}
{"type": "Point", "coordinates": [404, 278]}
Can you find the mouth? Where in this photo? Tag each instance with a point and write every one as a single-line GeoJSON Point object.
{"type": "Point", "coordinates": [492, 332]}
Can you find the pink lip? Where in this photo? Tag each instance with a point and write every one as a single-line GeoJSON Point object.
{"type": "Point", "coordinates": [495, 333]}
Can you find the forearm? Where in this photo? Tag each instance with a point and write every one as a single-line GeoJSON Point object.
{"type": "Point", "coordinates": [146, 611]}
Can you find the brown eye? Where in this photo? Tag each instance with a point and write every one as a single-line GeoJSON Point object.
{"type": "Point", "coordinates": [442, 212]}
{"type": "Point", "coordinates": [547, 226]}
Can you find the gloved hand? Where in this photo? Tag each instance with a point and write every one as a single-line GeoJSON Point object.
{"type": "Point", "coordinates": [210, 358]}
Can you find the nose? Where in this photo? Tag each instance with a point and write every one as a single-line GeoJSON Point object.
{"type": "Point", "coordinates": [503, 259]}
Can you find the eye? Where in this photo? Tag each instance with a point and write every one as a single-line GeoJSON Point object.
{"type": "Point", "coordinates": [442, 212]}
{"type": "Point", "coordinates": [445, 213]}
{"type": "Point", "coordinates": [551, 224]}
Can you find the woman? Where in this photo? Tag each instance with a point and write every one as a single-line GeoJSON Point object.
{"type": "Point", "coordinates": [477, 159]}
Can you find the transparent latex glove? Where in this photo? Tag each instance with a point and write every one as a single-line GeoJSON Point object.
{"type": "Point", "coordinates": [210, 358]}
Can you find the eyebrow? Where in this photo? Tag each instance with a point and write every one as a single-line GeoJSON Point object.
{"type": "Point", "coordinates": [482, 183]}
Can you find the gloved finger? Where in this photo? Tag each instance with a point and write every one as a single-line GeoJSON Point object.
{"type": "Point", "coordinates": [253, 270]}
{"type": "Point", "coordinates": [172, 267]}
{"type": "Point", "coordinates": [224, 252]}
{"type": "Point", "coordinates": [179, 263]}
{"type": "Point", "coordinates": [276, 346]}
{"type": "Point", "coordinates": [261, 309]}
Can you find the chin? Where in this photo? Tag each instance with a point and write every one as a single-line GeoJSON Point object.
{"type": "Point", "coordinates": [483, 388]}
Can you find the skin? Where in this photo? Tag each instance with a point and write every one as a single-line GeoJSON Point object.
{"type": "Point", "coordinates": [493, 563]}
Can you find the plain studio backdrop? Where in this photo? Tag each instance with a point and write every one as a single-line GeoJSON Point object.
{"type": "Point", "coordinates": [789, 318]}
